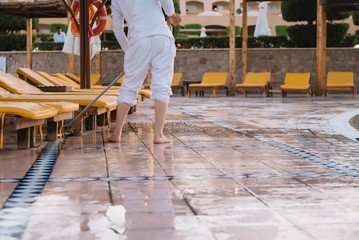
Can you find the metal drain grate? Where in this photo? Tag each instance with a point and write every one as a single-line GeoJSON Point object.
{"type": "Point", "coordinates": [17, 208]}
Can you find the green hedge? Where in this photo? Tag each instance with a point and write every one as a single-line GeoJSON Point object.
{"type": "Point", "coordinates": [223, 42]}
{"type": "Point", "coordinates": [11, 24]}
{"type": "Point", "coordinates": [305, 35]}
{"type": "Point", "coordinates": [45, 37]}
{"type": "Point", "coordinates": [48, 46]}
{"type": "Point", "coordinates": [110, 45]}
{"type": "Point", "coordinates": [13, 42]}
{"type": "Point", "coordinates": [356, 18]}
{"type": "Point", "coordinates": [349, 41]}
{"type": "Point", "coordinates": [192, 26]}
{"type": "Point", "coordinates": [281, 30]}
{"type": "Point", "coordinates": [237, 29]}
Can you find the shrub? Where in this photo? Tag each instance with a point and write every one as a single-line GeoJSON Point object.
{"type": "Point", "coordinates": [45, 37]}
{"type": "Point", "coordinates": [11, 24]}
{"type": "Point", "coordinates": [110, 45]}
{"type": "Point", "coordinates": [13, 42]}
{"type": "Point", "coordinates": [237, 29]}
{"type": "Point", "coordinates": [305, 35]}
{"type": "Point", "coordinates": [281, 31]}
{"type": "Point", "coordinates": [48, 46]}
{"type": "Point", "coordinates": [349, 41]}
{"type": "Point", "coordinates": [356, 18]}
{"type": "Point", "coordinates": [192, 26]}
{"type": "Point", "coordinates": [306, 10]}
{"type": "Point", "coordinates": [223, 42]}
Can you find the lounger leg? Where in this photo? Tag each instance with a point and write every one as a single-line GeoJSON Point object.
{"type": "Point", "coordinates": [101, 119]}
{"type": "Point", "coordinates": [78, 126]}
{"type": "Point", "coordinates": [52, 131]}
{"type": "Point", "coordinates": [90, 122]}
{"type": "Point", "coordinates": [23, 138]}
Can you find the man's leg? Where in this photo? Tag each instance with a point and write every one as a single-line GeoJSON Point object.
{"type": "Point", "coordinates": [137, 62]}
{"type": "Point", "coordinates": [160, 115]}
{"type": "Point", "coordinates": [162, 73]}
{"type": "Point", "coordinates": [122, 110]}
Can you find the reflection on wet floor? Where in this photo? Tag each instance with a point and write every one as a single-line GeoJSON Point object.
{"type": "Point", "coordinates": [237, 169]}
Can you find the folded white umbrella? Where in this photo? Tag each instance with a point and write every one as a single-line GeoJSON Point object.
{"type": "Point", "coordinates": [72, 44]}
{"type": "Point", "coordinates": [262, 28]}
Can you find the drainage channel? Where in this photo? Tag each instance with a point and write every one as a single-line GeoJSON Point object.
{"type": "Point", "coordinates": [17, 209]}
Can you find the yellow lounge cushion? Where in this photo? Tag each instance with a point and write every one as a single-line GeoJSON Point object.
{"type": "Point", "coordinates": [16, 85]}
{"type": "Point", "coordinates": [29, 110]}
{"type": "Point", "coordinates": [56, 80]}
{"type": "Point", "coordinates": [297, 78]}
{"type": "Point", "coordinates": [73, 77]}
{"type": "Point", "coordinates": [82, 100]}
{"type": "Point", "coordinates": [94, 78]}
{"type": "Point", "coordinates": [255, 79]}
{"type": "Point", "coordinates": [34, 77]}
{"type": "Point", "coordinates": [219, 78]}
{"type": "Point", "coordinates": [63, 107]}
{"type": "Point", "coordinates": [340, 79]}
{"type": "Point", "coordinates": [295, 87]}
{"type": "Point", "coordinates": [3, 92]}
{"type": "Point", "coordinates": [177, 79]}
{"type": "Point", "coordinates": [145, 92]}
{"type": "Point", "coordinates": [251, 84]}
{"type": "Point", "coordinates": [205, 85]}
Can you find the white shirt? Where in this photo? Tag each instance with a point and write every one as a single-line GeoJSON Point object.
{"type": "Point", "coordinates": [59, 37]}
{"type": "Point", "coordinates": [144, 18]}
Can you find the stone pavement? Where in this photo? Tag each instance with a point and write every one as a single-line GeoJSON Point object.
{"type": "Point", "coordinates": [239, 168]}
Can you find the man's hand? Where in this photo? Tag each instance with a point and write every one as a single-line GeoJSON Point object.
{"type": "Point", "coordinates": [175, 19]}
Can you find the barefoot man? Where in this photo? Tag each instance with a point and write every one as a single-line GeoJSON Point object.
{"type": "Point", "coordinates": [149, 44]}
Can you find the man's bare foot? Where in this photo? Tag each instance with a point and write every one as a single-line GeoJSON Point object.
{"type": "Point", "coordinates": [114, 139]}
{"type": "Point", "coordinates": [162, 140]}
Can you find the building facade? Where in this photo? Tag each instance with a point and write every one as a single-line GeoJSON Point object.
{"type": "Point", "coordinates": [211, 13]}
{"type": "Point", "coordinates": [215, 14]}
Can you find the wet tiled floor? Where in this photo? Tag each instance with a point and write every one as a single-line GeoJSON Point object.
{"type": "Point", "coordinates": [239, 168]}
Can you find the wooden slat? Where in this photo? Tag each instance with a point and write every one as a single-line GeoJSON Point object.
{"type": "Point", "coordinates": [16, 123]}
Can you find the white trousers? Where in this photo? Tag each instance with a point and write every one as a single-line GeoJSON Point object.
{"type": "Point", "coordinates": [156, 53]}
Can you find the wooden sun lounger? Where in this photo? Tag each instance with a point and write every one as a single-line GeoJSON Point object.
{"type": "Point", "coordinates": [296, 82]}
{"type": "Point", "coordinates": [177, 82]}
{"type": "Point", "coordinates": [210, 81]}
{"type": "Point", "coordinates": [25, 116]}
{"type": "Point", "coordinates": [100, 110]}
{"type": "Point", "coordinates": [255, 81]}
{"type": "Point", "coordinates": [53, 81]}
{"type": "Point", "coordinates": [340, 81]}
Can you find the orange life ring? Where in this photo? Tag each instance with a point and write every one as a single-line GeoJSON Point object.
{"type": "Point", "coordinates": [101, 19]}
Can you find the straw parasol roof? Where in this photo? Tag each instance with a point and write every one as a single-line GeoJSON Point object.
{"type": "Point", "coordinates": [34, 8]}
